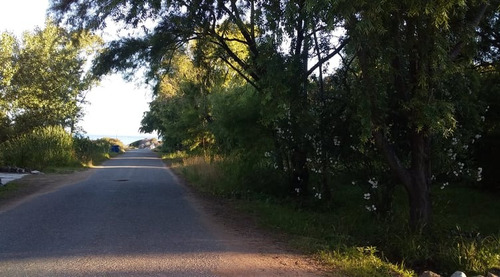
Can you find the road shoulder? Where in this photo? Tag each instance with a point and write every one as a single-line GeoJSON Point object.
{"type": "Point", "coordinates": [34, 185]}
{"type": "Point", "coordinates": [259, 252]}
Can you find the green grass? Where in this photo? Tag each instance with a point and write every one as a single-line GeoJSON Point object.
{"type": "Point", "coordinates": [465, 234]}
{"type": "Point", "coordinates": [8, 189]}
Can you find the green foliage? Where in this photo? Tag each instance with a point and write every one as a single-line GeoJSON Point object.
{"type": "Point", "coordinates": [8, 189]}
{"type": "Point", "coordinates": [351, 239]}
{"type": "Point", "coordinates": [237, 121]}
{"type": "Point", "coordinates": [40, 148]}
{"type": "Point", "coordinates": [89, 152]}
{"type": "Point", "coordinates": [363, 262]}
{"type": "Point", "coordinates": [43, 79]}
{"type": "Point", "coordinates": [181, 111]}
{"type": "Point", "coordinates": [53, 147]}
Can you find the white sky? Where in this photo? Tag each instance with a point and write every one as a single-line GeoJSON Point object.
{"type": "Point", "coordinates": [115, 107]}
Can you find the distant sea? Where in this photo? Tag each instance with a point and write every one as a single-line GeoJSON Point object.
{"type": "Point", "coordinates": [125, 139]}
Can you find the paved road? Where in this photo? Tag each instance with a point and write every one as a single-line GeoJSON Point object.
{"type": "Point", "coordinates": [130, 217]}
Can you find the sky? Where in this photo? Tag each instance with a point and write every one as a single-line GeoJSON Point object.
{"type": "Point", "coordinates": [115, 107]}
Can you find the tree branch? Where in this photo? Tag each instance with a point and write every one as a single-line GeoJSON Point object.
{"type": "Point", "coordinates": [477, 19]}
{"type": "Point", "coordinates": [222, 43]}
{"type": "Point", "coordinates": [327, 57]}
{"type": "Point", "coordinates": [252, 83]}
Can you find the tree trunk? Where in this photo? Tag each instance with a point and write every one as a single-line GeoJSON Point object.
{"type": "Point", "coordinates": [419, 188]}
{"type": "Point", "coordinates": [416, 180]}
{"type": "Point", "coordinates": [420, 203]}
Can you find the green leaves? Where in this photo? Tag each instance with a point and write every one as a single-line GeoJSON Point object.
{"type": "Point", "coordinates": [43, 78]}
{"type": "Point", "coordinates": [40, 148]}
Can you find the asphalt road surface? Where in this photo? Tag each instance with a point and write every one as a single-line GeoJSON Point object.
{"type": "Point", "coordinates": [129, 218]}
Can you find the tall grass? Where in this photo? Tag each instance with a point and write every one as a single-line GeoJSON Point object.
{"type": "Point", "coordinates": [42, 147]}
{"type": "Point", "coordinates": [52, 147]}
{"type": "Point", "coordinates": [202, 171]}
{"type": "Point", "coordinates": [358, 242]}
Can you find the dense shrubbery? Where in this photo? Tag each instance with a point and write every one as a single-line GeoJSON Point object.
{"type": "Point", "coordinates": [42, 147]}
{"type": "Point", "coordinates": [89, 151]}
{"type": "Point", "coordinates": [54, 147]}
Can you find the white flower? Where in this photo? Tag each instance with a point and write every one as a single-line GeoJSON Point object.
{"type": "Point", "coordinates": [374, 183]}
{"type": "Point", "coordinates": [336, 141]}
{"type": "Point", "coordinates": [479, 174]}
{"type": "Point", "coordinates": [318, 195]}
{"type": "Point", "coordinates": [371, 208]}
{"type": "Point", "coordinates": [353, 183]}
{"type": "Point", "coordinates": [444, 185]}
{"type": "Point", "coordinates": [367, 196]}
{"type": "Point", "coordinates": [297, 190]}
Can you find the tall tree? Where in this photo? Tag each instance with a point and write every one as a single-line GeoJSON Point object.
{"type": "Point", "coordinates": [46, 79]}
{"type": "Point", "coordinates": [409, 56]}
{"type": "Point", "coordinates": [276, 36]}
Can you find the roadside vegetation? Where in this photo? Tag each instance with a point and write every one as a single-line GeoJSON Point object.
{"type": "Point", "coordinates": [347, 236]}
{"type": "Point", "coordinates": [53, 149]}
{"type": "Point", "coordinates": [43, 81]}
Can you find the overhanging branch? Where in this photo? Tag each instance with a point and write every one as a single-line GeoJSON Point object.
{"type": "Point", "coordinates": [327, 57]}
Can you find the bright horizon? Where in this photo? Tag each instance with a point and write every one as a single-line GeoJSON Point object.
{"type": "Point", "coordinates": [115, 107]}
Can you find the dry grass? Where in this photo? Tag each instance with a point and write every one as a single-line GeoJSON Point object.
{"type": "Point", "coordinates": [203, 172]}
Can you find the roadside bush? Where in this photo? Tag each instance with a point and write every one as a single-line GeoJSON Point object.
{"type": "Point", "coordinates": [40, 148]}
{"type": "Point", "coordinates": [89, 152]}
{"type": "Point", "coordinates": [110, 142]}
